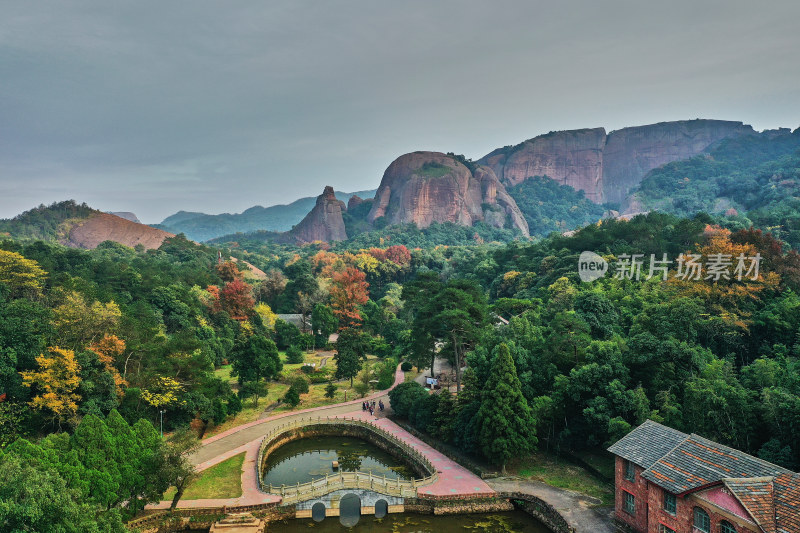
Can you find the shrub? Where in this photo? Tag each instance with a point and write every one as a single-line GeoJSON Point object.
{"type": "Point", "coordinates": [406, 366]}
{"type": "Point", "coordinates": [319, 377]}
{"type": "Point", "coordinates": [300, 384]}
{"type": "Point", "coordinates": [361, 388]}
{"type": "Point", "coordinates": [294, 355]}
{"type": "Point", "coordinates": [292, 397]}
{"type": "Point", "coordinates": [330, 390]}
{"type": "Point", "coordinates": [402, 397]}
{"type": "Point", "coordinates": [307, 369]}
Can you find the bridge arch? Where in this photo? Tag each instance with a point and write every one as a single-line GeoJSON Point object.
{"type": "Point", "coordinates": [349, 510]}
{"type": "Point", "coordinates": [318, 512]}
{"type": "Point", "coordinates": [381, 508]}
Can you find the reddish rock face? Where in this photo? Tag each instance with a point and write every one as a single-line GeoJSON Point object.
{"type": "Point", "coordinates": [354, 201]}
{"type": "Point", "coordinates": [631, 153]}
{"type": "Point", "coordinates": [608, 167]}
{"type": "Point", "coordinates": [573, 158]}
{"type": "Point", "coordinates": [102, 227]}
{"type": "Point", "coordinates": [427, 187]}
{"type": "Point", "coordinates": [324, 222]}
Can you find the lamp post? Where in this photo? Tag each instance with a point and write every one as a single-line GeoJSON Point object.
{"type": "Point", "coordinates": [161, 412]}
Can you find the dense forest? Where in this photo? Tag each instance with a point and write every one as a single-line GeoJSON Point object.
{"type": "Point", "coordinates": [99, 347]}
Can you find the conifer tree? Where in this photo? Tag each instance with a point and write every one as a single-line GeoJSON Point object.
{"type": "Point", "coordinates": [506, 425]}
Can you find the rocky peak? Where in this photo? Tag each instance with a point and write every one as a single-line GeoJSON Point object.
{"type": "Point", "coordinates": [427, 187]}
{"type": "Point", "coordinates": [324, 222]}
{"type": "Point", "coordinates": [608, 166]}
{"type": "Point", "coordinates": [354, 201]}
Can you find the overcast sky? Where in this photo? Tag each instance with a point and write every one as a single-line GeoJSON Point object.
{"type": "Point", "coordinates": [154, 107]}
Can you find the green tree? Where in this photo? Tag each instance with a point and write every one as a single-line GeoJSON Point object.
{"type": "Point", "coordinates": [292, 397]}
{"type": "Point", "coordinates": [294, 355]}
{"type": "Point", "coordinates": [323, 323]}
{"type": "Point", "coordinates": [351, 352]}
{"type": "Point", "coordinates": [506, 425]}
{"type": "Point", "coordinates": [330, 390]}
{"type": "Point", "coordinates": [32, 499]}
{"type": "Point", "coordinates": [254, 360]}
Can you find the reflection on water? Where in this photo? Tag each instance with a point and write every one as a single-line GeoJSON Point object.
{"type": "Point", "coordinates": [516, 521]}
{"type": "Point", "coordinates": [303, 460]}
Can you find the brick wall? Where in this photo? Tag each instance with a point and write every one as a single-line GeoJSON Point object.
{"type": "Point", "coordinates": [683, 519]}
{"type": "Point", "coordinates": [638, 487]}
{"type": "Point", "coordinates": [717, 516]}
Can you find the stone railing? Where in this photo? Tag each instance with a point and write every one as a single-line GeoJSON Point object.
{"type": "Point", "coordinates": [343, 480]}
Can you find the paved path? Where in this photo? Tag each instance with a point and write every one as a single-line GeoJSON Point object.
{"type": "Point", "coordinates": [453, 479]}
{"type": "Point", "coordinates": [579, 510]}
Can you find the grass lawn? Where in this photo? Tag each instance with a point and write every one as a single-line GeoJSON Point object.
{"type": "Point", "coordinates": [250, 413]}
{"type": "Point", "coordinates": [277, 389]}
{"type": "Point", "coordinates": [223, 480]}
{"type": "Point", "coordinates": [562, 474]}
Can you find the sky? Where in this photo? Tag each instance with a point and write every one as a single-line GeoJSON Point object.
{"type": "Point", "coordinates": [155, 107]}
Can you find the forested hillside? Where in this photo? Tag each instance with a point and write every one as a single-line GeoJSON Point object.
{"type": "Point", "coordinates": [747, 180]}
{"type": "Point", "coordinates": [112, 337]}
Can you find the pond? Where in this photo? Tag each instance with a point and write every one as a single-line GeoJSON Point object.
{"type": "Point", "coordinates": [304, 460]}
{"type": "Point", "coordinates": [516, 521]}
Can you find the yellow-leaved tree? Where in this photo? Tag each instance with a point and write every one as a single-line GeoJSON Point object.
{"type": "Point", "coordinates": [22, 276]}
{"type": "Point", "coordinates": [109, 349]}
{"type": "Point", "coordinates": [268, 317]}
{"type": "Point", "coordinates": [164, 392]}
{"type": "Point", "coordinates": [80, 323]}
{"type": "Point", "coordinates": [55, 383]}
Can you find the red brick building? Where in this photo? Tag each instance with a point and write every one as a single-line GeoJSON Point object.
{"type": "Point", "coordinates": [671, 482]}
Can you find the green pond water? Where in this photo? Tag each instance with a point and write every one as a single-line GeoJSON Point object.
{"type": "Point", "coordinates": [304, 460]}
{"type": "Point", "coordinates": [408, 523]}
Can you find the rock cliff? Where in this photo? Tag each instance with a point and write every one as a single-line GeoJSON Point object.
{"type": "Point", "coordinates": [427, 187]}
{"type": "Point", "coordinates": [324, 222]}
{"type": "Point", "coordinates": [631, 153]}
{"type": "Point", "coordinates": [100, 227]}
{"type": "Point", "coordinates": [573, 158]}
{"type": "Point", "coordinates": [608, 166]}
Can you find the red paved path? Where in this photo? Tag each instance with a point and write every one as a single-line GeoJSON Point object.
{"type": "Point", "coordinates": [453, 479]}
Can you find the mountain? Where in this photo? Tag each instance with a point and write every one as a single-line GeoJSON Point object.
{"type": "Point", "coordinates": [324, 222]}
{"type": "Point", "coordinates": [100, 227]}
{"type": "Point", "coordinates": [608, 166]}
{"type": "Point", "coordinates": [427, 187]}
{"type": "Point", "coordinates": [127, 215]}
{"type": "Point", "coordinates": [80, 226]}
{"type": "Point", "coordinates": [203, 227]}
{"type": "Point", "coordinates": [753, 180]}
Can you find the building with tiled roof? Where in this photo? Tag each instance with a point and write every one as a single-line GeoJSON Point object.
{"type": "Point", "coordinates": [668, 481]}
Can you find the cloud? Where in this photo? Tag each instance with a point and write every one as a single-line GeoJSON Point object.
{"type": "Point", "coordinates": [154, 107]}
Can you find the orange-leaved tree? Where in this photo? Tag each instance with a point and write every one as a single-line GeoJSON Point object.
{"type": "Point", "coordinates": [55, 384]}
{"type": "Point", "coordinates": [237, 299]}
{"type": "Point", "coordinates": [348, 291]}
{"type": "Point", "coordinates": [108, 350]}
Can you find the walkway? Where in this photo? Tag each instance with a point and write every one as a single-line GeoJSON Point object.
{"type": "Point", "coordinates": [453, 479]}
{"type": "Point", "coordinates": [580, 511]}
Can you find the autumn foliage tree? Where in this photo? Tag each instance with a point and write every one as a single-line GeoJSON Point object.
{"type": "Point", "coordinates": [228, 271]}
{"type": "Point", "coordinates": [348, 291]}
{"type": "Point", "coordinates": [236, 298]}
{"type": "Point", "coordinates": [55, 381]}
{"type": "Point", "coordinates": [22, 276]}
{"type": "Point", "coordinates": [109, 349]}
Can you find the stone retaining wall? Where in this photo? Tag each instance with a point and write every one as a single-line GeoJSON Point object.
{"type": "Point", "coordinates": [461, 505]}
{"type": "Point", "coordinates": [546, 513]}
{"type": "Point", "coordinates": [345, 429]}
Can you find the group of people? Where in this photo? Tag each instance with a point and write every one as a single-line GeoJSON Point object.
{"type": "Point", "coordinates": [370, 406]}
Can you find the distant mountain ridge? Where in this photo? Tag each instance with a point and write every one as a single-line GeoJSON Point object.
{"type": "Point", "coordinates": [204, 227]}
